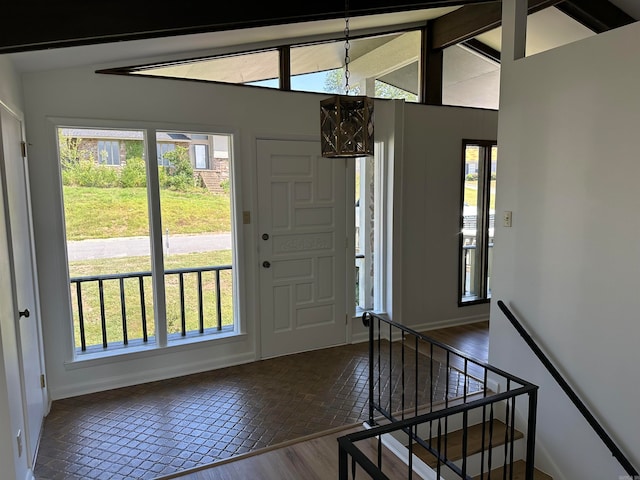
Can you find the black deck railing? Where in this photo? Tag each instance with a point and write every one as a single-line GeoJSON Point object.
{"type": "Point", "coordinates": [108, 322]}
{"type": "Point", "coordinates": [570, 392]}
{"type": "Point", "coordinates": [419, 390]}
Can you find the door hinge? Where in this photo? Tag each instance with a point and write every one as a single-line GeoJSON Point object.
{"type": "Point", "coordinates": [42, 381]}
{"type": "Point", "coordinates": [346, 319]}
{"type": "Point", "coordinates": [23, 148]}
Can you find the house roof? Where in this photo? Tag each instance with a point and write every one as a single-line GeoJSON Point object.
{"type": "Point", "coordinates": [112, 134]}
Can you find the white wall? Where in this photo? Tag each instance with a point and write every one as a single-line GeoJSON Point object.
{"type": "Point", "coordinates": [11, 407]}
{"type": "Point", "coordinates": [430, 189]}
{"type": "Point", "coordinates": [569, 170]}
{"type": "Point", "coordinates": [80, 93]}
{"type": "Point", "coordinates": [249, 113]}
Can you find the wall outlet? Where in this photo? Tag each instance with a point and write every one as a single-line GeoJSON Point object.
{"type": "Point", "coordinates": [19, 441]}
{"type": "Point", "coordinates": [506, 218]}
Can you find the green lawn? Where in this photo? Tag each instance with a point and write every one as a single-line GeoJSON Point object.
{"type": "Point", "coordinates": [94, 213]}
{"type": "Point", "coordinates": [112, 302]}
{"type": "Point", "coordinates": [122, 212]}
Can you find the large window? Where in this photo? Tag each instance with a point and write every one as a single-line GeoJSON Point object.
{"type": "Point", "coordinates": [477, 220]}
{"type": "Point", "coordinates": [149, 246]}
{"type": "Point", "coordinates": [108, 152]}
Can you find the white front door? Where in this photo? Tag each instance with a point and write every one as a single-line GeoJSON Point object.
{"type": "Point", "coordinates": [302, 244]}
{"type": "Point", "coordinates": [28, 328]}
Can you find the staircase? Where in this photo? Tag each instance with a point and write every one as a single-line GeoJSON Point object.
{"type": "Point", "coordinates": [485, 446]}
{"type": "Point", "coordinates": [478, 440]}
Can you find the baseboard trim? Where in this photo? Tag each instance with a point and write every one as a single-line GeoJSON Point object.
{"type": "Point", "coordinates": [451, 322]}
{"type": "Point", "coordinates": [136, 378]}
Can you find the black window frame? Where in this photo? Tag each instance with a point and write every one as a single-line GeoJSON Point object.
{"type": "Point", "coordinates": [484, 241]}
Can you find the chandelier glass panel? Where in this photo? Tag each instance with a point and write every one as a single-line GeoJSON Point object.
{"type": "Point", "coordinates": [346, 121]}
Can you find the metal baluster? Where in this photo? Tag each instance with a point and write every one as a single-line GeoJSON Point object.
{"type": "Point", "coordinates": [390, 370]}
{"type": "Point", "coordinates": [506, 434]}
{"type": "Point", "coordinates": [123, 309]}
{"type": "Point", "coordinates": [439, 443]}
{"type": "Point", "coordinates": [83, 339]}
{"type": "Point", "coordinates": [416, 386]}
{"type": "Point", "coordinates": [218, 300]}
{"type": "Point", "coordinates": [465, 439]}
{"type": "Point", "coordinates": [183, 315]}
{"type": "Point", "coordinates": [103, 319]}
{"type": "Point", "coordinates": [484, 433]}
{"type": "Point", "coordinates": [490, 446]}
{"type": "Point", "coordinates": [431, 390]}
{"type": "Point", "coordinates": [200, 303]}
{"type": "Point", "coordinates": [402, 402]}
{"type": "Point", "coordinates": [446, 402]}
{"type": "Point", "coordinates": [513, 432]}
{"type": "Point", "coordinates": [143, 310]}
{"type": "Point", "coordinates": [466, 376]}
{"type": "Point", "coordinates": [379, 366]}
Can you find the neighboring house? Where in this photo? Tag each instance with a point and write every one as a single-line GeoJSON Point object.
{"type": "Point", "coordinates": [209, 154]}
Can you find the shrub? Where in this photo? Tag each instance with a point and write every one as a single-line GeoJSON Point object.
{"type": "Point", "coordinates": [134, 173]}
{"type": "Point", "coordinates": [226, 186]}
{"type": "Point", "coordinates": [179, 173]}
{"type": "Point", "coordinates": [85, 173]}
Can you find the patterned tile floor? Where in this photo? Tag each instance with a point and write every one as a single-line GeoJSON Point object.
{"type": "Point", "coordinates": [155, 429]}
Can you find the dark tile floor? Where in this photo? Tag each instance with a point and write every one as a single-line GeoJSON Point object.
{"type": "Point", "coordinates": [160, 428]}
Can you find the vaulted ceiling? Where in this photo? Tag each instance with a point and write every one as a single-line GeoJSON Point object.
{"type": "Point", "coordinates": [55, 35]}
{"type": "Point", "coordinates": [37, 25]}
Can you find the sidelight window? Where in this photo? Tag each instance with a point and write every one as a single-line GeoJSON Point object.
{"type": "Point", "coordinates": [477, 219]}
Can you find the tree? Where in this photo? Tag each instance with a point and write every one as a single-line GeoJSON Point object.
{"type": "Point", "coordinates": [179, 173]}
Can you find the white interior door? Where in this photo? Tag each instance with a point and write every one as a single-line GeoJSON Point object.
{"type": "Point", "coordinates": [301, 222]}
{"type": "Point", "coordinates": [28, 328]}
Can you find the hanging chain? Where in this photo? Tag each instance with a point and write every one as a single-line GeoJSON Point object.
{"type": "Point", "coordinates": [347, 45]}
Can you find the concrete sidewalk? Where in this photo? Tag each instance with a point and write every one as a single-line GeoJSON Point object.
{"type": "Point", "coordinates": [140, 246]}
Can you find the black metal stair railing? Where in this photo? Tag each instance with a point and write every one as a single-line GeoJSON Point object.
{"type": "Point", "coordinates": [570, 392]}
{"type": "Point", "coordinates": [118, 280]}
{"type": "Point", "coordinates": [419, 389]}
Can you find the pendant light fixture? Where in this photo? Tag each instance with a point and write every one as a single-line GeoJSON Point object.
{"type": "Point", "coordinates": [346, 121]}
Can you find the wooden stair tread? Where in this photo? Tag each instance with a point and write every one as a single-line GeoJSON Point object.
{"type": "Point", "coordinates": [518, 473]}
{"type": "Point", "coordinates": [474, 442]}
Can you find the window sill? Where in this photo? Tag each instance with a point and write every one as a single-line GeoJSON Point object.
{"type": "Point", "coordinates": [127, 353]}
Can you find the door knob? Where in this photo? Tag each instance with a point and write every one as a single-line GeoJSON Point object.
{"type": "Point", "coordinates": [266, 264]}
{"type": "Point", "coordinates": [24, 313]}
{"type": "Point", "coordinates": [265, 236]}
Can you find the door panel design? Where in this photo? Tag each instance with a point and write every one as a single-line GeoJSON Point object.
{"type": "Point", "coordinates": [301, 222]}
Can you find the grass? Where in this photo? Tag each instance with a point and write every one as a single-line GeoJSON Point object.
{"type": "Point", "coordinates": [471, 193]}
{"type": "Point", "coordinates": [94, 213]}
{"type": "Point", "coordinates": [134, 317]}
{"type": "Point", "coordinates": [122, 212]}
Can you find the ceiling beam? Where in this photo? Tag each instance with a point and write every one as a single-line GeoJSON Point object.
{"type": "Point", "coordinates": [483, 49]}
{"type": "Point", "coordinates": [472, 20]}
{"type": "Point", "coordinates": [597, 15]}
{"type": "Point", "coordinates": [42, 24]}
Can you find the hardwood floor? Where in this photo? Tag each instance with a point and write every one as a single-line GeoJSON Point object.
{"type": "Point", "coordinates": [472, 339]}
{"type": "Point", "coordinates": [314, 458]}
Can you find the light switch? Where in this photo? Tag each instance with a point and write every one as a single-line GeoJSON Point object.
{"type": "Point", "coordinates": [246, 217]}
{"type": "Point", "coordinates": [506, 218]}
